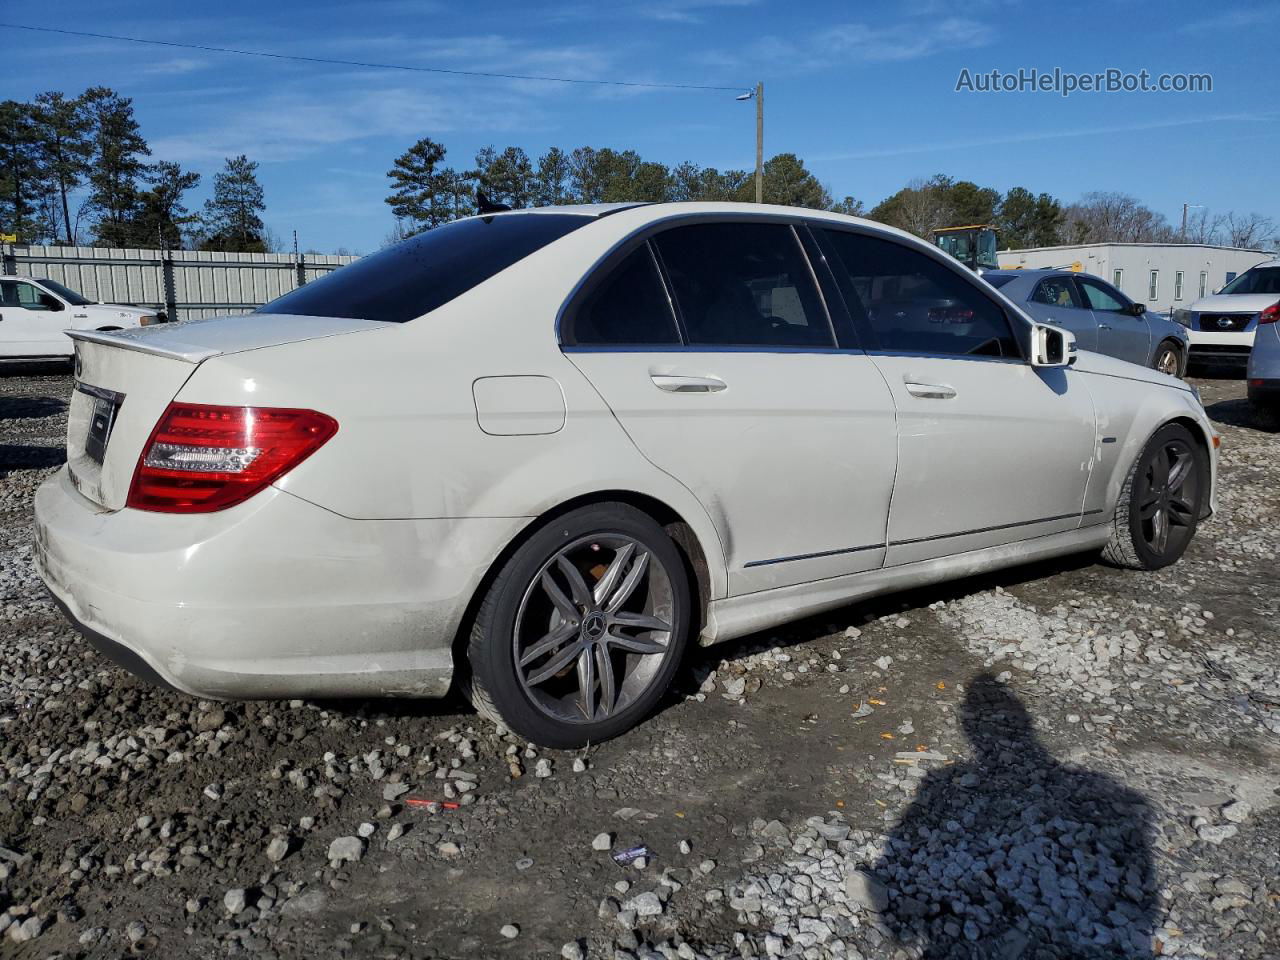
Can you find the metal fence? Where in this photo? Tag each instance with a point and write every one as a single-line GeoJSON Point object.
{"type": "Point", "coordinates": [185, 284]}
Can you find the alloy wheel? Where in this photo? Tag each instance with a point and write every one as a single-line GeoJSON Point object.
{"type": "Point", "coordinates": [594, 628]}
{"type": "Point", "coordinates": [1167, 361]}
{"type": "Point", "coordinates": [1168, 497]}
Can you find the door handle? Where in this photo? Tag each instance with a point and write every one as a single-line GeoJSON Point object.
{"type": "Point", "coordinates": [674, 383]}
{"type": "Point", "coordinates": [1053, 320]}
{"type": "Point", "coordinates": [1104, 326]}
{"type": "Point", "coordinates": [930, 391]}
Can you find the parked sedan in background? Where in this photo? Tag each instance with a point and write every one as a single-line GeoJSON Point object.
{"type": "Point", "coordinates": [1223, 326]}
{"type": "Point", "coordinates": [35, 315]}
{"type": "Point", "coordinates": [543, 451]}
{"type": "Point", "coordinates": [1264, 362]}
{"type": "Point", "coordinates": [1102, 318]}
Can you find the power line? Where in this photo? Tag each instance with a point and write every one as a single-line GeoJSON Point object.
{"type": "Point", "coordinates": [358, 63]}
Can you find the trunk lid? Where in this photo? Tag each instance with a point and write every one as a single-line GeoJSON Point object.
{"type": "Point", "coordinates": [125, 379]}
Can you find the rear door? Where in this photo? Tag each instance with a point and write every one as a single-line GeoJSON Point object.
{"type": "Point", "coordinates": [990, 449]}
{"type": "Point", "coordinates": [712, 345]}
{"type": "Point", "coordinates": [29, 327]}
{"type": "Point", "coordinates": [1120, 333]}
{"type": "Point", "coordinates": [1056, 299]}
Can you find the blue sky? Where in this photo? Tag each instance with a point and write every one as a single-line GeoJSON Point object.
{"type": "Point", "coordinates": [863, 92]}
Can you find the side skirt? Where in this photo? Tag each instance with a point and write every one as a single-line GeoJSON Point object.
{"type": "Point", "coordinates": [735, 617]}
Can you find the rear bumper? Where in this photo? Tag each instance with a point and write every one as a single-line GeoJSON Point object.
{"type": "Point", "coordinates": [1264, 391]}
{"type": "Point", "coordinates": [275, 597]}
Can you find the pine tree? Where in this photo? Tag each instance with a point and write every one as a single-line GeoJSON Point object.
{"type": "Point", "coordinates": [117, 164]}
{"type": "Point", "coordinates": [162, 216]}
{"type": "Point", "coordinates": [231, 221]}
{"type": "Point", "coordinates": [64, 135]}
{"type": "Point", "coordinates": [505, 177]}
{"type": "Point", "coordinates": [551, 181]}
{"type": "Point", "coordinates": [23, 178]}
{"type": "Point", "coordinates": [424, 194]}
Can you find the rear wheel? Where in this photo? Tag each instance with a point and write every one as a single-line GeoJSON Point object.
{"type": "Point", "coordinates": [582, 629]}
{"type": "Point", "coordinates": [1168, 359]}
{"type": "Point", "coordinates": [1161, 502]}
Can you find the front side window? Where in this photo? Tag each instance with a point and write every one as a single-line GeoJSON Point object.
{"type": "Point", "coordinates": [67, 294]}
{"type": "Point", "coordinates": [915, 304]}
{"type": "Point", "coordinates": [743, 284]}
{"type": "Point", "coordinates": [1100, 297]}
{"type": "Point", "coordinates": [1153, 285]}
{"type": "Point", "coordinates": [23, 296]}
{"type": "Point", "coordinates": [417, 275]}
{"type": "Point", "coordinates": [1057, 292]}
{"type": "Point", "coordinates": [629, 306]}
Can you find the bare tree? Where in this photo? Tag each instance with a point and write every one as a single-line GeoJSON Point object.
{"type": "Point", "coordinates": [1249, 230]}
{"type": "Point", "coordinates": [1106, 217]}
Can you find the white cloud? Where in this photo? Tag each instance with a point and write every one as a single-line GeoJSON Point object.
{"type": "Point", "coordinates": [176, 65]}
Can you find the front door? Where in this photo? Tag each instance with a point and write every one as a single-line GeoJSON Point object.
{"type": "Point", "coordinates": [28, 325]}
{"type": "Point", "coordinates": [741, 394]}
{"type": "Point", "coordinates": [1120, 333]}
{"type": "Point", "coordinates": [1057, 300]}
{"type": "Point", "coordinates": [990, 449]}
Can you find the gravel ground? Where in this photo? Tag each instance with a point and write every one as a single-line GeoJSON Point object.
{"type": "Point", "coordinates": [1059, 761]}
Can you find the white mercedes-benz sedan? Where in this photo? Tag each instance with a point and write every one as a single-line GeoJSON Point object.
{"type": "Point", "coordinates": [538, 453]}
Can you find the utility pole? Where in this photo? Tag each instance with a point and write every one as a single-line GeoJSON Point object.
{"type": "Point", "coordinates": [758, 96]}
{"type": "Point", "coordinates": [760, 142]}
{"type": "Point", "coordinates": [1185, 207]}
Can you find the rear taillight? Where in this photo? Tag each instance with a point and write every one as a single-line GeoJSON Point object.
{"type": "Point", "coordinates": [202, 457]}
{"type": "Point", "coordinates": [1270, 315]}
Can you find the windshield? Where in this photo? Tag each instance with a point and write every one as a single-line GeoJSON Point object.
{"type": "Point", "coordinates": [418, 275]}
{"type": "Point", "coordinates": [66, 293]}
{"type": "Point", "coordinates": [1257, 280]}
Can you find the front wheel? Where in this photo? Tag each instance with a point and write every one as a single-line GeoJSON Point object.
{"type": "Point", "coordinates": [1168, 359]}
{"type": "Point", "coordinates": [582, 629]}
{"type": "Point", "coordinates": [1160, 502]}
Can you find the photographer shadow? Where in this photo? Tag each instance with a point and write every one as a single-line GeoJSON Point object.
{"type": "Point", "coordinates": [1014, 854]}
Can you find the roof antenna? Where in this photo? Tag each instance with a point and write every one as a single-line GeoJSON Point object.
{"type": "Point", "coordinates": [485, 206]}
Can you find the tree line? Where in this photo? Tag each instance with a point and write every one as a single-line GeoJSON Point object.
{"type": "Point", "coordinates": [426, 192]}
{"type": "Point", "coordinates": [77, 170]}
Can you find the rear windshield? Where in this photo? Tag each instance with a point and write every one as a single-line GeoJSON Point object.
{"type": "Point", "coordinates": [996, 282]}
{"type": "Point", "coordinates": [1257, 280]}
{"type": "Point", "coordinates": [424, 272]}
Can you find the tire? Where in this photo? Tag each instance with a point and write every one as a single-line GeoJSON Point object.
{"type": "Point", "coordinates": [1168, 359]}
{"type": "Point", "coordinates": [1149, 500]}
{"type": "Point", "coordinates": [545, 597]}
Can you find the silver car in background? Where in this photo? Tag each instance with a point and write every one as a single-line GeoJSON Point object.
{"type": "Point", "coordinates": [1264, 361]}
{"type": "Point", "coordinates": [1102, 318]}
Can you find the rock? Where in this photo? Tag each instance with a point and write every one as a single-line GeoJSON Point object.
{"type": "Point", "coordinates": [136, 930]}
{"type": "Point", "coordinates": [92, 936]}
{"type": "Point", "coordinates": [579, 766]}
{"type": "Point", "coordinates": [307, 903]}
{"type": "Point", "coordinates": [395, 831]}
{"type": "Point", "coordinates": [865, 890]}
{"type": "Point", "coordinates": [278, 849]}
{"type": "Point", "coordinates": [573, 950]}
{"type": "Point", "coordinates": [448, 849]}
{"type": "Point", "coordinates": [211, 720]}
{"type": "Point", "coordinates": [1216, 833]}
{"type": "Point", "coordinates": [884, 662]}
{"type": "Point", "coordinates": [510, 931]}
{"type": "Point", "coordinates": [235, 900]}
{"type": "Point", "coordinates": [685, 848]}
{"type": "Point", "coordinates": [1237, 812]}
{"type": "Point", "coordinates": [644, 904]}
{"type": "Point", "coordinates": [346, 849]}
{"type": "Point", "coordinates": [366, 830]}
{"type": "Point", "coordinates": [603, 841]}
{"type": "Point", "coordinates": [28, 929]}
{"type": "Point", "coordinates": [393, 791]}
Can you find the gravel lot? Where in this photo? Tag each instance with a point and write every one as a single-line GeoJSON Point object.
{"type": "Point", "coordinates": [1060, 761]}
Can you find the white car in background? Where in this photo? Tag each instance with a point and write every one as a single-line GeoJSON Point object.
{"type": "Point", "coordinates": [36, 315]}
{"type": "Point", "coordinates": [540, 452]}
{"type": "Point", "coordinates": [1221, 327]}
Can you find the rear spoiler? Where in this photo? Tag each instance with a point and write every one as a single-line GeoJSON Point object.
{"type": "Point", "coordinates": [122, 340]}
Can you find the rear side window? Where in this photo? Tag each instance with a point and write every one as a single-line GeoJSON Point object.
{"type": "Point", "coordinates": [427, 271]}
{"type": "Point", "coordinates": [914, 304]}
{"type": "Point", "coordinates": [1057, 292]}
{"type": "Point", "coordinates": [743, 284]}
{"type": "Point", "coordinates": [629, 306]}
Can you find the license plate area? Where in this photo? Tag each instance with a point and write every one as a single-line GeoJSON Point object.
{"type": "Point", "coordinates": [104, 407]}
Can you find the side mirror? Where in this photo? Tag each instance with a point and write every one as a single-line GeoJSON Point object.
{"type": "Point", "coordinates": [50, 302]}
{"type": "Point", "coordinates": [1052, 346]}
{"type": "Point", "coordinates": [1135, 310]}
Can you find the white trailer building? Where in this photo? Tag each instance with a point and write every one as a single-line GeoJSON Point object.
{"type": "Point", "coordinates": [1164, 276]}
